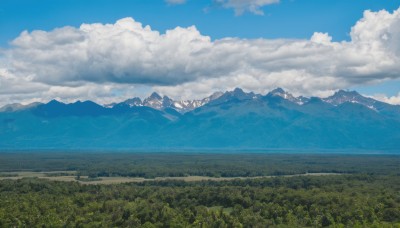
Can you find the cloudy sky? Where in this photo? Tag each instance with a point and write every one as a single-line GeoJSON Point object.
{"type": "Point", "coordinates": [108, 51]}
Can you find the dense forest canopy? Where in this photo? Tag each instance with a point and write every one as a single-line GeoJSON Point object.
{"type": "Point", "coordinates": [365, 194]}
{"type": "Point", "coordinates": [338, 201]}
{"type": "Point", "coordinates": [150, 165]}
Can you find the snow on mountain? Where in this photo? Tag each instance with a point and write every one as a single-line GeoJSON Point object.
{"type": "Point", "coordinates": [288, 96]}
{"type": "Point", "coordinates": [342, 96]}
{"type": "Point", "coordinates": [136, 101]}
{"type": "Point", "coordinates": [154, 101]}
{"type": "Point", "coordinates": [235, 95]}
{"type": "Point", "coordinates": [188, 105]}
{"type": "Point", "coordinates": [234, 119]}
{"type": "Point", "coordinates": [159, 102]}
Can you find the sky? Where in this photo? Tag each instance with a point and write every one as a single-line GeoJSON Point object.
{"type": "Point", "coordinates": [109, 51]}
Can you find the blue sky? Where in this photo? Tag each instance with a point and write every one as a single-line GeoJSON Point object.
{"type": "Point", "coordinates": [285, 19]}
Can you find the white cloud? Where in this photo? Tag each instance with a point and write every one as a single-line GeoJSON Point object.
{"type": "Point", "coordinates": [297, 82]}
{"type": "Point", "coordinates": [321, 38]}
{"type": "Point", "coordinates": [395, 100]}
{"type": "Point", "coordinates": [124, 52]}
{"type": "Point", "coordinates": [175, 2]}
{"type": "Point", "coordinates": [15, 90]}
{"type": "Point", "coordinates": [92, 61]}
{"type": "Point", "coordinates": [241, 6]}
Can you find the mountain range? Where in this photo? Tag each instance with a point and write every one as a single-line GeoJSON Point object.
{"type": "Point", "coordinates": [157, 102]}
{"type": "Point", "coordinates": [233, 120]}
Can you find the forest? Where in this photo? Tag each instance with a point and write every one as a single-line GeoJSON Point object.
{"type": "Point", "coordinates": [151, 164]}
{"type": "Point", "coordinates": [365, 194]}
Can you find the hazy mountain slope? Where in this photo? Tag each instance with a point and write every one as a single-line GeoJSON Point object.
{"type": "Point", "coordinates": [274, 122]}
{"type": "Point", "coordinates": [80, 125]}
{"type": "Point", "coordinates": [233, 120]}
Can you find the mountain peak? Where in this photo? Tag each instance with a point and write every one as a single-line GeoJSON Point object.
{"type": "Point", "coordinates": [154, 101]}
{"type": "Point", "coordinates": [238, 91]}
{"type": "Point", "coordinates": [136, 101]}
{"type": "Point", "coordinates": [155, 95]}
{"type": "Point", "coordinates": [278, 91]}
{"type": "Point", "coordinates": [167, 102]}
{"type": "Point", "coordinates": [342, 96]}
{"type": "Point", "coordinates": [268, 122]}
{"type": "Point", "coordinates": [215, 95]}
{"type": "Point", "coordinates": [87, 102]}
{"type": "Point", "coordinates": [54, 102]}
{"type": "Point", "coordinates": [240, 94]}
{"type": "Point", "coordinates": [346, 93]}
{"type": "Point", "coordinates": [159, 102]}
{"type": "Point", "coordinates": [236, 95]}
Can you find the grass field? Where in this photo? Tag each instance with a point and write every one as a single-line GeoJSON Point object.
{"type": "Point", "coordinates": [72, 176]}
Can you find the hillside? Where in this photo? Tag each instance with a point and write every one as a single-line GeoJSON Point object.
{"type": "Point", "coordinates": [232, 120]}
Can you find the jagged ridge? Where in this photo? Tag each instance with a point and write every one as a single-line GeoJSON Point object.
{"type": "Point", "coordinates": [157, 102]}
{"type": "Point", "coordinates": [232, 120]}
